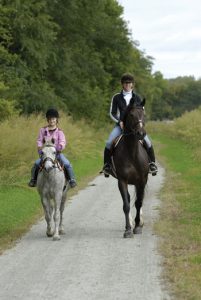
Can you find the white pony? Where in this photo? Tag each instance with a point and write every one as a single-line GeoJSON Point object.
{"type": "Point", "coordinates": [52, 187]}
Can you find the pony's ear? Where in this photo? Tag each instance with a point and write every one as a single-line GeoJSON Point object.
{"type": "Point", "coordinates": [143, 102]}
{"type": "Point", "coordinates": [52, 140]}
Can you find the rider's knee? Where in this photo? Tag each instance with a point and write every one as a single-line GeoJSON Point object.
{"type": "Point", "coordinates": [108, 145]}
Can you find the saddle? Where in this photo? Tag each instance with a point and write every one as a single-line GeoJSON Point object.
{"type": "Point", "coordinates": [112, 149]}
{"type": "Point", "coordinates": [115, 143]}
{"type": "Point", "coordinates": [118, 139]}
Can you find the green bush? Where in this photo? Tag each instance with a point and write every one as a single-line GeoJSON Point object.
{"type": "Point", "coordinates": [7, 109]}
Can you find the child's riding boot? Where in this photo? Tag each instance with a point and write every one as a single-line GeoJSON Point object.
{"type": "Point", "coordinates": [107, 168]}
{"type": "Point", "coordinates": [34, 174]}
{"type": "Point", "coordinates": [70, 176]}
{"type": "Point", "coordinates": [152, 165]}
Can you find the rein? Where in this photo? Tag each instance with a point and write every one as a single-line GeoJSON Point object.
{"type": "Point", "coordinates": [55, 163]}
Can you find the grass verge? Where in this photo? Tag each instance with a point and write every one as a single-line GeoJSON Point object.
{"type": "Point", "coordinates": [180, 222]}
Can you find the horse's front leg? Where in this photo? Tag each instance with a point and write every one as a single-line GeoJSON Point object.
{"type": "Point", "coordinates": [138, 205]}
{"type": "Point", "coordinates": [57, 205]}
{"type": "Point", "coordinates": [47, 211]}
{"type": "Point", "coordinates": [123, 188]}
{"type": "Point", "coordinates": [61, 226]}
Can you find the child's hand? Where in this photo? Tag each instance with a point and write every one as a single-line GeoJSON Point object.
{"type": "Point", "coordinates": [40, 152]}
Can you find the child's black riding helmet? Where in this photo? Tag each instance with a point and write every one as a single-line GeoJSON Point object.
{"type": "Point", "coordinates": [52, 113]}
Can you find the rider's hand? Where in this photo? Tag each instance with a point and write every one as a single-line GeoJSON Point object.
{"type": "Point", "coordinates": [40, 152]}
{"type": "Point", "coordinates": [121, 124]}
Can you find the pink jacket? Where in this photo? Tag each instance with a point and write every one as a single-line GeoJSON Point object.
{"type": "Point", "coordinates": [57, 135]}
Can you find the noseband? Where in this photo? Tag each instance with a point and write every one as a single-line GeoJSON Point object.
{"type": "Point", "coordinates": [133, 131]}
{"type": "Point", "coordinates": [42, 166]}
{"type": "Point", "coordinates": [49, 159]}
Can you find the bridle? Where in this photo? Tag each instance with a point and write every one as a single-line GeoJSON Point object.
{"type": "Point", "coordinates": [55, 162]}
{"type": "Point", "coordinates": [134, 131]}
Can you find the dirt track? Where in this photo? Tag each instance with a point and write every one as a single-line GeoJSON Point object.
{"type": "Point", "coordinates": [92, 261]}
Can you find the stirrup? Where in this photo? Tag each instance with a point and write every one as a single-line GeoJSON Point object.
{"type": "Point", "coordinates": [72, 183]}
{"type": "Point", "coordinates": [153, 168]}
{"type": "Point", "coordinates": [32, 183]}
{"type": "Point", "coordinates": [106, 170]}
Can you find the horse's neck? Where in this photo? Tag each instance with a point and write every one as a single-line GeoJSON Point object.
{"type": "Point", "coordinates": [132, 144]}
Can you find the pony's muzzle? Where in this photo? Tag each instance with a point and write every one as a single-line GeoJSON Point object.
{"type": "Point", "coordinates": [48, 166]}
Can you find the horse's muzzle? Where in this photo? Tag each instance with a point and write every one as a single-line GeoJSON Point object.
{"type": "Point", "coordinates": [141, 134]}
{"type": "Point", "coordinates": [48, 166]}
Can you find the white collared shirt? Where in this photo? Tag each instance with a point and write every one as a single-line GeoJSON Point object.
{"type": "Point", "coordinates": [127, 96]}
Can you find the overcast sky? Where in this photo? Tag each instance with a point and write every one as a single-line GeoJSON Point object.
{"type": "Point", "coordinates": [169, 31]}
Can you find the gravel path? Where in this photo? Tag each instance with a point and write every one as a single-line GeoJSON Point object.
{"type": "Point", "coordinates": [92, 261]}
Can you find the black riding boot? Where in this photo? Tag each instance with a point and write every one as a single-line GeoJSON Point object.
{"type": "Point", "coordinates": [34, 174]}
{"type": "Point", "coordinates": [107, 162]}
{"type": "Point", "coordinates": [70, 176]}
{"type": "Point", "coordinates": [152, 165]}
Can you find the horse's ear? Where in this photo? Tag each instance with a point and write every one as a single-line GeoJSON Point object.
{"type": "Point", "coordinates": [143, 102]}
{"type": "Point", "coordinates": [52, 140]}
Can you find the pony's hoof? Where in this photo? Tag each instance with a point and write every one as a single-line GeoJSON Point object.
{"type": "Point", "coordinates": [141, 223]}
{"type": "Point", "coordinates": [56, 238]}
{"type": "Point", "coordinates": [49, 234]}
{"type": "Point", "coordinates": [62, 231]}
{"type": "Point", "coordinates": [128, 234]}
{"type": "Point", "coordinates": [137, 230]}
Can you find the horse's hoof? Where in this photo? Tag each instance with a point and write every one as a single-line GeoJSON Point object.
{"type": "Point", "coordinates": [56, 238]}
{"type": "Point", "coordinates": [141, 223]}
{"type": "Point", "coordinates": [137, 230]}
{"type": "Point", "coordinates": [128, 234]}
{"type": "Point", "coordinates": [49, 234]}
{"type": "Point", "coordinates": [62, 231]}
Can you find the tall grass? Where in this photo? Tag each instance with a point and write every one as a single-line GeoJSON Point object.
{"type": "Point", "coordinates": [18, 149]}
{"type": "Point", "coordinates": [186, 128]}
{"type": "Point", "coordinates": [179, 150]}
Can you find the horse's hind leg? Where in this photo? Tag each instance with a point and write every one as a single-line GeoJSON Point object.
{"type": "Point", "coordinates": [138, 205]}
{"type": "Point", "coordinates": [123, 188]}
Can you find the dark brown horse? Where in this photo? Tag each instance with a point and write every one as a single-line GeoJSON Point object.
{"type": "Point", "coordinates": [131, 164]}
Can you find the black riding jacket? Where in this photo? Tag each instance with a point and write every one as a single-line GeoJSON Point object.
{"type": "Point", "coordinates": [118, 106]}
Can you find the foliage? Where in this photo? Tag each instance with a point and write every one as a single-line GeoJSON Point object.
{"type": "Point", "coordinates": [70, 54]}
{"type": "Point", "coordinates": [7, 107]}
{"type": "Point", "coordinates": [177, 96]}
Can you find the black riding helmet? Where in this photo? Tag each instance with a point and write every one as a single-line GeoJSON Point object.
{"type": "Point", "coordinates": [127, 77]}
{"type": "Point", "coordinates": [52, 113]}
